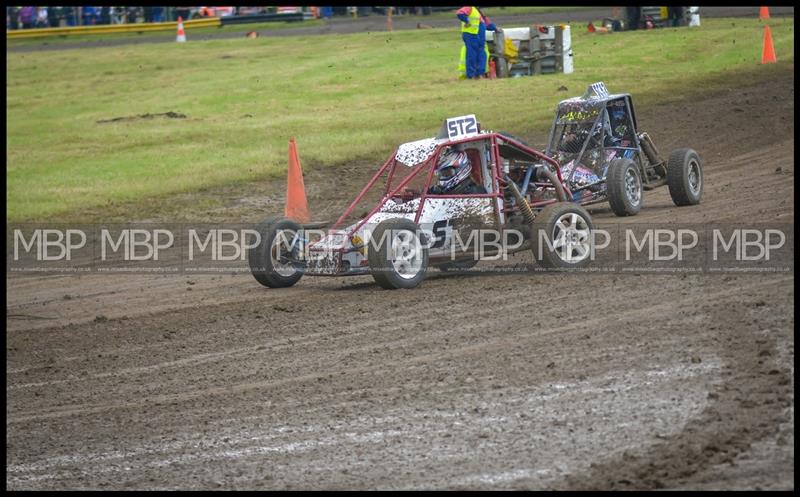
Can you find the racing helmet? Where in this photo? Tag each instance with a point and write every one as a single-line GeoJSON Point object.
{"type": "Point", "coordinates": [452, 169]}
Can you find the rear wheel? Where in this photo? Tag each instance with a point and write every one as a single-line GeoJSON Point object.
{"type": "Point", "coordinates": [399, 258]}
{"type": "Point", "coordinates": [624, 184]}
{"type": "Point", "coordinates": [685, 177]}
{"type": "Point", "coordinates": [276, 261]}
{"type": "Point", "coordinates": [561, 236]}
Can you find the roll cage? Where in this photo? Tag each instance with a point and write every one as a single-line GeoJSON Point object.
{"type": "Point", "coordinates": [489, 152]}
{"type": "Point", "coordinates": [601, 135]}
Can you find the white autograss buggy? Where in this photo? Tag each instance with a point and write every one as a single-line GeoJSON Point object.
{"type": "Point", "coordinates": [405, 228]}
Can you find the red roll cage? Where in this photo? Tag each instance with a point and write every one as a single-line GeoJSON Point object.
{"type": "Point", "coordinates": [498, 182]}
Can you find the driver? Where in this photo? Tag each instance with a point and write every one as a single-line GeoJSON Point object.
{"type": "Point", "coordinates": [453, 171]}
{"type": "Point", "coordinates": [619, 125]}
{"type": "Point", "coordinates": [572, 139]}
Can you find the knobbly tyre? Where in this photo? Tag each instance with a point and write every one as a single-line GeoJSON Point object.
{"type": "Point", "coordinates": [603, 157]}
{"type": "Point", "coordinates": [413, 217]}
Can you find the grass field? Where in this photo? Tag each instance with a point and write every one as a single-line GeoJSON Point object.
{"type": "Point", "coordinates": [343, 97]}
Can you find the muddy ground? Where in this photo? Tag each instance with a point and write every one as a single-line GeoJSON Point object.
{"type": "Point", "coordinates": [512, 381]}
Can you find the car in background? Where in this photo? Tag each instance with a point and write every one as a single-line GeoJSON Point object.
{"type": "Point", "coordinates": [252, 11]}
{"type": "Point", "coordinates": [213, 12]}
{"type": "Point", "coordinates": [290, 10]}
{"type": "Point", "coordinates": [604, 157]}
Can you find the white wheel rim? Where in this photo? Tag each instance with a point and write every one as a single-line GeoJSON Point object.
{"type": "Point", "coordinates": [571, 238]}
{"type": "Point", "coordinates": [406, 254]}
{"type": "Point", "coordinates": [282, 247]}
{"type": "Point", "coordinates": [632, 187]}
{"type": "Point", "coordinates": [695, 177]}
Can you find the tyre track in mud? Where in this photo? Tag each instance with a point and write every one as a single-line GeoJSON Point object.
{"type": "Point", "coordinates": [470, 381]}
{"type": "Point", "coordinates": [495, 306]}
{"type": "Point", "coordinates": [742, 413]}
{"type": "Point", "coordinates": [354, 381]}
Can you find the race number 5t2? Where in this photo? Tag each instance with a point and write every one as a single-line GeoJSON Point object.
{"type": "Point", "coordinates": [462, 127]}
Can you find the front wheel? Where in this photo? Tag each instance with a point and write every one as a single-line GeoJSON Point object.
{"type": "Point", "coordinates": [399, 258]}
{"type": "Point", "coordinates": [275, 261]}
{"type": "Point", "coordinates": [685, 177]}
{"type": "Point", "coordinates": [624, 185]}
{"type": "Point", "coordinates": [561, 236]}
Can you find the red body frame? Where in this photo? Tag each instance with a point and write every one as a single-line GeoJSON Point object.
{"type": "Point", "coordinates": [497, 180]}
{"type": "Point", "coordinates": [500, 207]}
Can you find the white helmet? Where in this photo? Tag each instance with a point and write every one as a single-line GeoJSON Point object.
{"type": "Point", "coordinates": [452, 169]}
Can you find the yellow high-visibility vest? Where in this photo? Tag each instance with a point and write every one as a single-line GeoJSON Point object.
{"type": "Point", "coordinates": [462, 63]}
{"type": "Point", "coordinates": [474, 22]}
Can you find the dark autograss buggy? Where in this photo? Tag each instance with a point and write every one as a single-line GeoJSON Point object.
{"type": "Point", "coordinates": [603, 157]}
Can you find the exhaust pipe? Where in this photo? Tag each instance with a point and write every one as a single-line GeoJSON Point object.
{"type": "Point", "coordinates": [543, 173]}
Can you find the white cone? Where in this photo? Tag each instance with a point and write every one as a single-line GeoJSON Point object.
{"type": "Point", "coordinates": [181, 34]}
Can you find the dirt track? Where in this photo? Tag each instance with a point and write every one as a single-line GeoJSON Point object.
{"type": "Point", "coordinates": [495, 381]}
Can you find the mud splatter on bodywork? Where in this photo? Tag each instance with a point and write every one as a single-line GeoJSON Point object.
{"type": "Point", "coordinates": [413, 153]}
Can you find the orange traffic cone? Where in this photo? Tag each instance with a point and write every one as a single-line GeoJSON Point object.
{"type": "Point", "coordinates": [768, 54]}
{"type": "Point", "coordinates": [296, 205]}
{"type": "Point", "coordinates": [763, 13]}
{"type": "Point", "coordinates": [181, 34]}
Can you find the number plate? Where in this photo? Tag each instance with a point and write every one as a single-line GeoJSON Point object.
{"type": "Point", "coordinates": [462, 127]}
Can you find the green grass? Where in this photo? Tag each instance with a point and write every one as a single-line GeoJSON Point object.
{"type": "Point", "coordinates": [342, 96]}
